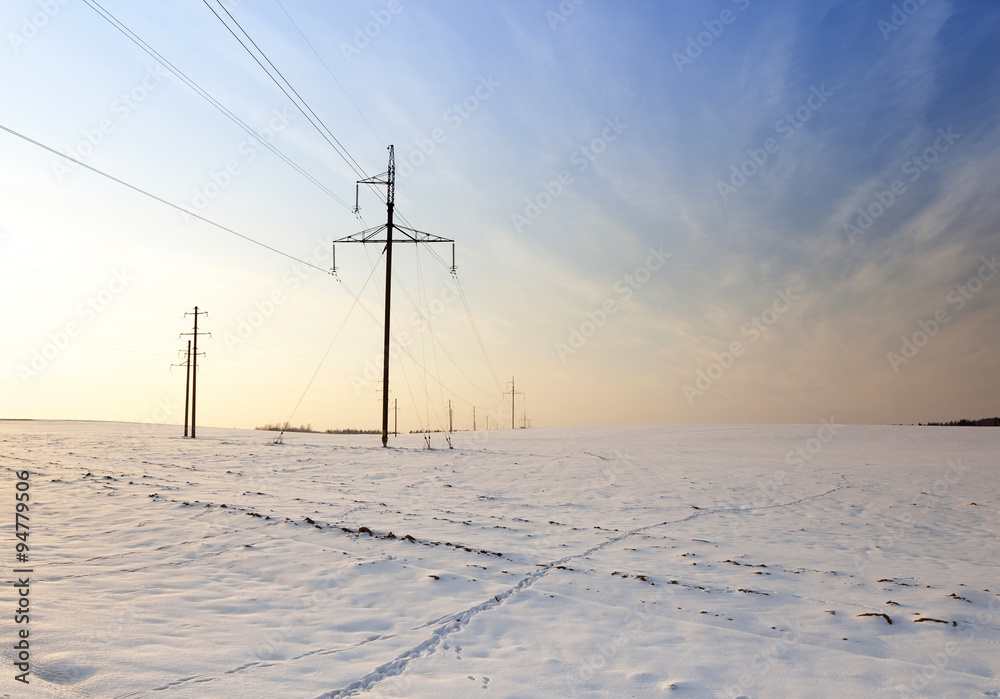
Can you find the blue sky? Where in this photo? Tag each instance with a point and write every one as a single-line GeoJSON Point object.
{"type": "Point", "coordinates": [664, 212]}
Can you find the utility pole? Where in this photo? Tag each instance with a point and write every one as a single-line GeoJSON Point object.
{"type": "Point", "coordinates": [187, 387]}
{"type": "Point", "coordinates": [473, 418]}
{"type": "Point", "coordinates": [410, 235]}
{"type": "Point", "coordinates": [194, 365]}
{"type": "Point", "coordinates": [187, 384]}
{"type": "Point", "coordinates": [450, 430]}
{"type": "Point", "coordinates": [512, 393]}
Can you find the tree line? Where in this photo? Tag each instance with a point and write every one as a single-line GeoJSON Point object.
{"type": "Point", "coordinates": [985, 422]}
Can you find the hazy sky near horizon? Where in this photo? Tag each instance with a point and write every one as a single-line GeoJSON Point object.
{"type": "Point", "coordinates": [727, 211]}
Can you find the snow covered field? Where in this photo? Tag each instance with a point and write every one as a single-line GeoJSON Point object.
{"type": "Point", "coordinates": [677, 561]}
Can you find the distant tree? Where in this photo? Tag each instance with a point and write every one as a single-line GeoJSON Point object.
{"type": "Point", "coordinates": [984, 422]}
{"type": "Point", "coordinates": [280, 427]}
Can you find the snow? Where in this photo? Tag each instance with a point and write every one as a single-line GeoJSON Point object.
{"type": "Point", "coordinates": [679, 561]}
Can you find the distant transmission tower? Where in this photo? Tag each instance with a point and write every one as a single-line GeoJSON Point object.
{"type": "Point", "coordinates": [193, 368]}
{"type": "Point", "coordinates": [410, 235]}
{"type": "Point", "coordinates": [512, 393]}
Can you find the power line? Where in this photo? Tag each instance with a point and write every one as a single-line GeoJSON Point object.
{"type": "Point", "coordinates": [403, 349]}
{"type": "Point", "coordinates": [191, 213]}
{"type": "Point", "coordinates": [339, 148]}
{"type": "Point", "coordinates": [297, 100]}
{"type": "Point", "coordinates": [357, 300]}
{"type": "Point", "coordinates": [437, 365]}
{"type": "Point", "coordinates": [140, 190]}
{"type": "Point", "coordinates": [301, 105]}
{"type": "Point", "coordinates": [138, 41]}
{"type": "Point", "coordinates": [468, 311]}
{"type": "Point", "coordinates": [370, 235]}
{"type": "Point", "coordinates": [427, 323]}
{"type": "Point", "coordinates": [325, 65]}
{"type": "Point", "coordinates": [356, 297]}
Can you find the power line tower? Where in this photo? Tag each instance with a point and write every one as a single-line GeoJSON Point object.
{"type": "Point", "coordinates": [371, 235]}
{"type": "Point", "coordinates": [193, 366]}
{"type": "Point", "coordinates": [513, 394]}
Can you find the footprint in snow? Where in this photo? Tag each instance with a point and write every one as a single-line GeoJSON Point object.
{"type": "Point", "coordinates": [64, 673]}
